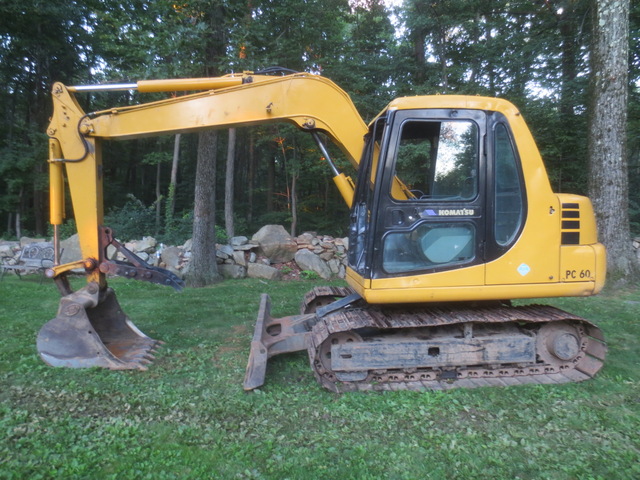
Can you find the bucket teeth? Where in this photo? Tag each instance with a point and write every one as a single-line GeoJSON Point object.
{"type": "Point", "coordinates": [91, 330]}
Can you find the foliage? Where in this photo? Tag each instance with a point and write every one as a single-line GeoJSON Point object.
{"type": "Point", "coordinates": [132, 219]}
{"type": "Point", "coordinates": [187, 416]}
{"type": "Point", "coordinates": [533, 53]}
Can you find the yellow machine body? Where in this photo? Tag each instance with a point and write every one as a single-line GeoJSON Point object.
{"type": "Point", "coordinates": [407, 246]}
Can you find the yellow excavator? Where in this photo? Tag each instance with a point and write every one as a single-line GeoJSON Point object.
{"type": "Point", "coordinates": [451, 217]}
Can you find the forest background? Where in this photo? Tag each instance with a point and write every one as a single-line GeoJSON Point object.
{"type": "Point", "coordinates": [533, 53]}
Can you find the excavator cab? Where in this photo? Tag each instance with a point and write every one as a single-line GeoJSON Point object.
{"type": "Point", "coordinates": [454, 203]}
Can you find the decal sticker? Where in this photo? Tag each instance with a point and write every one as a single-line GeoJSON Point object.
{"type": "Point", "coordinates": [523, 269]}
{"type": "Point", "coordinates": [448, 212]}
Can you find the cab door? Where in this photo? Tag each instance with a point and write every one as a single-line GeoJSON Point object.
{"type": "Point", "coordinates": [432, 197]}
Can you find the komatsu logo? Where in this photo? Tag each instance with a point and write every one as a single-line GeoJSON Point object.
{"type": "Point", "coordinates": [449, 212]}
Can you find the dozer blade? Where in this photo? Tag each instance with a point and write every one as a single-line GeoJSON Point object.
{"type": "Point", "coordinates": [273, 336]}
{"type": "Point", "coordinates": [91, 330]}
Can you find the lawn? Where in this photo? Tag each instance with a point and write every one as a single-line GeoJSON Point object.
{"type": "Point", "coordinates": [188, 417]}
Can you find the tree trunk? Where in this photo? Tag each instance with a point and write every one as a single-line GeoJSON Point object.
{"type": "Point", "coordinates": [608, 177]}
{"type": "Point", "coordinates": [294, 203]}
{"type": "Point", "coordinates": [158, 198]}
{"type": "Point", "coordinates": [271, 182]}
{"type": "Point", "coordinates": [251, 179]}
{"type": "Point", "coordinates": [203, 269]}
{"type": "Point", "coordinates": [19, 213]}
{"type": "Point", "coordinates": [38, 201]}
{"type": "Point", "coordinates": [228, 184]}
{"type": "Point", "coordinates": [171, 201]}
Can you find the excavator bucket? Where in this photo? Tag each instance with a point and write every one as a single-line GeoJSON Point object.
{"type": "Point", "coordinates": [91, 330]}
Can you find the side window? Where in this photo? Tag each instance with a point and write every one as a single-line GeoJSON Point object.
{"type": "Point", "coordinates": [437, 160]}
{"type": "Point", "coordinates": [508, 189]}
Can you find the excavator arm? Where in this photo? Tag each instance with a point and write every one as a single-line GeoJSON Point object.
{"type": "Point", "coordinates": [311, 103]}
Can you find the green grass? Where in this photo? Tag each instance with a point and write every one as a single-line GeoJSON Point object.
{"type": "Point", "coordinates": [188, 417]}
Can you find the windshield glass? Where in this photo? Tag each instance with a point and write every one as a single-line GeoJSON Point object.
{"type": "Point", "coordinates": [437, 160]}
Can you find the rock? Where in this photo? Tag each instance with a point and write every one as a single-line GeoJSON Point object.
{"type": "Point", "coordinates": [232, 271]}
{"type": "Point", "coordinates": [334, 266]}
{"type": "Point", "coordinates": [326, 256]}
{"type": "Point", "coordinates": [26, 241]}
{"type": "Point", "coordinates": [70, 249]}
{"type": "Point", "coordinates": [328, 246]}
{"type": "Point", "coordinates": [147, 244]}
{"type": "Point", "coordinates": [238, 241]}
{"type": "Point", "coordinates": [245, 247]}
{"type": "Point", "coordinates": [111, 251]}
{"type": "Point", "coordinates": [252, 257]}
{"type": "Point", "coordinates": [238, 257]}
{"type": "Point", "coordinates": [305, 238]}
{"type": "Point", "coordinates": [187, 245]}
{"type": "Point", "coordinates": [224, 251]}
{"type": "Point", "coordinates": [275, 243]}
{"type": "Point", "coordinates": [259, 270]}
{"type": "Point", "coordinates": [307, 260]}
{"type": "Point", "coordinates": [6, 249]}
{"type": "Point", "coordinates": [170, 256]}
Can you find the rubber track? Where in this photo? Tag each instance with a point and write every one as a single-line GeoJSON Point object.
{"type": "Point", "coordinates": [583, 367]}
{"type": "Point", "coordinates": [322, 295]}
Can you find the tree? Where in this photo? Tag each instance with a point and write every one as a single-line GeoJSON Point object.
{"type": "Point", "coordinates": [39, 44]}
{"type": "Point", "coordinates": [204, 270]}
{"type": "Point", "coordinates": [203, 267]}
{"type": "Point", "coordinates": [228, 184]}
{"type": "Point", "coordinates": [608, 174]}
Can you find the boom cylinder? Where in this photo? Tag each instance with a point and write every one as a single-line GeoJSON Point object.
{"type": "Point", "coordinates": [171, 85]}
{"type": "Point", "coordinates": [345, 184]}
{"type": "Point", "coordinates": [56, 194]}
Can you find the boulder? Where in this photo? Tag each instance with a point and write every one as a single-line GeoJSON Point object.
{"type": "Point", "coordinates": [307, 260]}
{"type": "Point", "coordinates": [259, 270]}
{"type": "Point", "coordinates": [305, 238]}
{"type": "Point", "coordinates": [224, 251]}
{"type": "Point", "coordinates": [70, 249]}
{"type": "Point", "coordinates": [245, 247]}
{"type": "Point", "coordinates": [275, 243]}
{"type": "Point", "coordinates": [147, 244]}
{"type": "Point", "coordinates": [238, 241]}
{"type": "Point", "coordinates": [171, 258]}
{"type": "Point", "coordinates": [334, 266]}
{"type": "Point", "coordinates": [6, 249]}
{"type": "Point", "coordinates": [26, 241]}
{"type": "Point", "coordinates": [238, 257]}
{"type": "Point", "coordinates": [232, 271]}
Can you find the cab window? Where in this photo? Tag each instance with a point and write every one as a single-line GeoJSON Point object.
{"type": "Point", "coordinates": [508, 189]}
{"type": "Point", "coordinates": [437, 160]}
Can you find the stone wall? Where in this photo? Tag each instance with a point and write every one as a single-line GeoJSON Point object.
{"type": "Point", "coordinates": [270, 254]}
